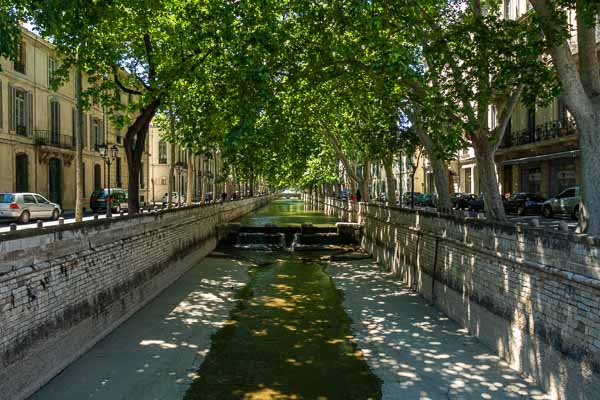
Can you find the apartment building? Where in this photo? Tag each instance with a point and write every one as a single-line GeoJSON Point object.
{"type": "Point", "coordinates": [37, 124]}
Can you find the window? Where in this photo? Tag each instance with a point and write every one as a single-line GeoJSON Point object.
{"type": "Point", "coordinates": [40, 199]}
{"type": "Point", "coordinates": [54, 121]}
{"type": "Point", "coordinates": [162, 152]}
{"type": "Point", "coordinates": [97, 177]}
{"type": "Point", "coordinates": [118, 172]}
{"type": "Point", "coordinates": [507, 7]}
{"type": "Point", "coordinates": [567, 193]}
{"type": "Point", "coordinates": [163, 180]}
{"type": "Point", "coordinates": [21, 173]}
{"type": "Point", "coordinates": [51, 70]}
{"type": "Point", "coordinates": [118, 135]}
{"type": "Point", "coordinates": [142, 183]}
{"type": "Point", "coordinates": [19, 64]}
{"type": "Point", "coordinates": [20, 111]}
{"type": "Point", "coordinates": [97, 133]}
{"type": "Point", "coordinates": [28, 199]}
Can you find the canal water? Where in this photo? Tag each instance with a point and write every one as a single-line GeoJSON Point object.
{"type": "Point", "coordinates": [288, 336]}
{"type": "Point", "coordinates": [287, 212]}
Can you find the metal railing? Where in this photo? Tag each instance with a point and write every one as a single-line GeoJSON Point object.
{"type": "Point", "coordinates": [543, 132]}
{"type": "Point", "coordinates": [19, 67]}
{"type": "Point", "coordinates": [54, 139]}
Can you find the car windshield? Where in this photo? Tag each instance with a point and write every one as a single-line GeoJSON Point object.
{"type": "Point", "coordinates": [6, 198]}
{"type": "Point", "coordinates": [100, 194]}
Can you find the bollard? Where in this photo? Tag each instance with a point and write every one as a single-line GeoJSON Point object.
{"type": "Point", "coordinates": [535, 222]}
{"type": "Point", "coordinates": [61, 221]}
{"type": "Point", "coordinates": [13, 227]}
{"type": "Point", "coordinates": [563, 226]}
{"type": "Point", "coordinates": [95, 216]}
{"type": "Point", "coordinates": [40, 223]}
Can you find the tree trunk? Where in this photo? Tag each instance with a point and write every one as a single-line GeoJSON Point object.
{"type": "Point", "coordinates": [589, 144]}
{"type": "Point", "coordinates": [442, 186]}
{"type": "Point", "coordinates": [412, 186]}
{"type": "Point", "coordinates": [388, 166]}
{"type": "Point", "coordinates": [440, 173]}
{"type": "Point", "coordinates": [484, 154]}
{"type": "Point", "coordinates": [78, 151]}
{"type": "Point", "coordinates": [364, 183]}
{"type": "Point", "coordinates": [190, 179]}
{"type": "Point", "coordinates": [135, 144]}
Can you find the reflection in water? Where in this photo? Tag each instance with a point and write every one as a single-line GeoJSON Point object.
{"type": "Point", "coordinates": [287, 212]}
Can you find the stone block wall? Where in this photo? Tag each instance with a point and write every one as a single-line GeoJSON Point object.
{"type": "Point", "coordinates": [64, 288]}
{"type": "Point", "coordinates": [530, 294]}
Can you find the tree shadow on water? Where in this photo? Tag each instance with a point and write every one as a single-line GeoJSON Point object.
{"type": "Point", "coordinates": [288, 338]}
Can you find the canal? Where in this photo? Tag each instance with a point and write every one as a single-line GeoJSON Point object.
{"type": "Point", "coordinates": [274, 324]}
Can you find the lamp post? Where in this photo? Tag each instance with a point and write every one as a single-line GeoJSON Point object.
{"type": "Point", "coordinates": [178, 169]}
{"type": "Point", "coordinates": [108, 154]}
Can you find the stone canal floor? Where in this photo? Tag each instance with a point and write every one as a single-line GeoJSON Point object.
{"type": "Point", "coordinates": [287, 328]}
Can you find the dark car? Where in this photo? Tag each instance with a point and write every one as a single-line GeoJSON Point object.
{"type": "Point", "coordinates": [463, 200]}
{"type": "Point", "coordinates": [118, 200]}
{"type": "Point", "coordinates": [426, 200]}
{"type": "Point", "coordinates": [524, 203]}
{"type": "Point", "coordinates": [407, 197]}
{"type": "Point", "coordinates": [454, 198]}
{"type": "Point", "coordinates": [477, 203]}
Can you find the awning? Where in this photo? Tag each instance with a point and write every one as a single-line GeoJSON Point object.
{"type": "Point", "coordinates": [553, 156]}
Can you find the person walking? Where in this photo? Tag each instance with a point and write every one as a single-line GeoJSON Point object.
{"type": "Point", "coordinates": [358, 196]}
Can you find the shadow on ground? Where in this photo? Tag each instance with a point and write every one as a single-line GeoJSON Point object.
{"type": "Point", "coordinates": [417, 351]}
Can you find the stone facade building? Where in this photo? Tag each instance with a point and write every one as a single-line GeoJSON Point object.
{"type": "Point", "coordinates": [37, 144]}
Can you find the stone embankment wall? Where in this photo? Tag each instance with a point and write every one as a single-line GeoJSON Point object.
{"type": "Point", "coordinates": [64, 288]}
{"type": "Point", "coordinates": [530, 294]}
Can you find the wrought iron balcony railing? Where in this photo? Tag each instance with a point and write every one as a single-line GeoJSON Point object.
{"type": "Point", "coordinates": [54, 139]}
{"type": "Point", "coordinates": [543, 132]}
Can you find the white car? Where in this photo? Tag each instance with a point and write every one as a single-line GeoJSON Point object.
{"type": "Point", "coordinates": [24, 207]}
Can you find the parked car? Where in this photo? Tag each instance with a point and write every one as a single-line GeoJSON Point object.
{"type": "Point", "coordinates": [567, 202]}
{"type": "Point", "coordinates": [344, 195]}
{"type": "Point", "coordinates": [208, 197]}
{"type": "Point", "coordinates": [454, 198]}
{"type": "Point", "coordinates": [477, 203]}
{"type": "Point", "coordinates": [463, 200]}
{"type": "Point", "coordinates": [524, 203]}
{"type": "Point", "coordinates": [407, 197]}
{"type": "Point", "coordinates": [174, 198]}
{"type": "Point", "coordinates": [427, 200]}
{"type": "Point", "coordinates": [23, 207]}
{"type": "Point", "coordinates": [117, 200]}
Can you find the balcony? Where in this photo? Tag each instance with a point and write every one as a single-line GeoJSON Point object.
{"type": "Point", "coordinates": [548, 131]}
{"type": "Point", "coordinates": [54, 139]}
{"type": "Point", "coordinates": [21, 130]}
{"type": "Point", "coordinates": [19, 67]}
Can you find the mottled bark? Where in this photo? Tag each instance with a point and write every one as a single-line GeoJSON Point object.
{"type": "Point", "coordinates": [390, 182]}
{"type": "Point", "coordinates": [440, 172]}
{"type": "Point", "coordinates": [484, 154]}
{"type": "Point", "coordinates": [79, 201]}
{"type": "Point", "coordinates": [190, 179]}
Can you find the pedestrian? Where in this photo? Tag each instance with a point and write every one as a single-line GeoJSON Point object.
{"type": "Point", "coordinates": [353, 197]}
{"type": "Point", "coordinates": [358, 196]}
{"type": "Point", "coordinates": [223, 197]}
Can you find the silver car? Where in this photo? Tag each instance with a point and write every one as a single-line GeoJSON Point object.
{"type": "Point", "coordinates": [27, 206]}
{"type": "Point", "coordinates": [567, 202]}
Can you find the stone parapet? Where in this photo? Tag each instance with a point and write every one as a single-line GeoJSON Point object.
{"type": "Point", "coordinates": [64, 288]}
{"type": "Point", "coordinates": [530, 294]}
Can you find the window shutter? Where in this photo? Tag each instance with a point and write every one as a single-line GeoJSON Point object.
{"type": "Point", "coordinates": [1, 106]}
{"type": "Point", "coordinates": [84, 130]}
{"type": "Point", "coordinates": [11, 108]}
{"type": "Point", "coordinates": [92, 133]}
{"type": "Point", "coordinates": [58, 118]}
{"type": "Point", "coordinates": [29, 112]}
{"type": "Point", "coordinates": [102, 138]}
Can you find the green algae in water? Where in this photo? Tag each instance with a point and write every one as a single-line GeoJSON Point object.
{"type": "Point", "coordinates": [287, 212]}
{"type": "Point", "coordinates": [288, 338]}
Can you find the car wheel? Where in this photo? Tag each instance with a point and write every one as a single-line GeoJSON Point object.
{"type": "Point", "coordinates": [547, 212]}
{"type": "Point", "coordinates": [576, 213]}
{"type": "Point", "coordinates": [55, 214]}
{"type": "Point", "coordinates": [24, 218]}
{"type": "Point", "coordinates": [521, 210]}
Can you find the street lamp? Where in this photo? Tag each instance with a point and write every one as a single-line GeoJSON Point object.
{"type": "Point", "coordinates": [178, 169]}
{"type": "Point", "coordinates": [108, 154]}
